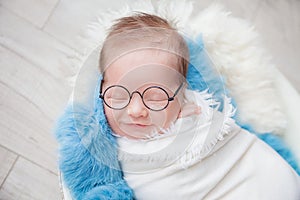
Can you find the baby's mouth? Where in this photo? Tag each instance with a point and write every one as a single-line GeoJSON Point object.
{"type": "Point", "coordinates": [138, 125]}
{"type": "Point", "coordinates": [137, 129]}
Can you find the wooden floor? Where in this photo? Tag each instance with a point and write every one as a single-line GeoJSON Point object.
{"type": "Point", "coordinates": [38, 48]}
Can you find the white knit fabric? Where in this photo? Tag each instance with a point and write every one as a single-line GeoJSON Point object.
{"type": "Point", "coordinates": [244, 168]}
{"type": "Point", "coordinates": [204, 159]}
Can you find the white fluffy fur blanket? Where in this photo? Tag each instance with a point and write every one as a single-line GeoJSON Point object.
{"type": "Point", "coordinates": [233, 46]}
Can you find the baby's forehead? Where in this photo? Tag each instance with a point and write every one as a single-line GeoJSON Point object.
{"type": "Point", "coordinates": [143, 75]}
{"type": "Point", "coordinates": [141, 56]}
{"type": "Point", "coordinates": [143, 67]}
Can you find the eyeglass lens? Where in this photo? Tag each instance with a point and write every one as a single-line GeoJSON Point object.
{"type": "Point", "coordinates": [118, 97]}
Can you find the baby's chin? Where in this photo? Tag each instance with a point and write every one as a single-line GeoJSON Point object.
{"type": "Point", "coordinates": [136, 132]}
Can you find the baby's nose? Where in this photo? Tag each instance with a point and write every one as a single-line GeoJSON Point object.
{"type": "Point", "coordinates": [136, 107]}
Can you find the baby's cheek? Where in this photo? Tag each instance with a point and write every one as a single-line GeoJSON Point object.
{"type": "Point", "coordinates": [158, 119]}
{"type": "Point", "coordinates": [165, 118]}
{"type": "Point", "coordinates": [112, 120]}
{"type": "Point", "coordinates": [173, 112]}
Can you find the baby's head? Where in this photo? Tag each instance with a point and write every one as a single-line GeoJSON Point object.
{"type": "Point", "coordinates": [144, 63]}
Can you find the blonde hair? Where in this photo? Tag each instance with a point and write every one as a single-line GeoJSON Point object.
{"type": "Point", "coordinates": [143, 30]}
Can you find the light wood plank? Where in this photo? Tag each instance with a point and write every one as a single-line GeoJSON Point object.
{"type": "Point", "coordinates": [36, 46]}
{"type": "Point", "coordinates": [28, 181]}
{"type": "Point", "coordinates": [26, 130]}
{"type": "Point", "coordinates": [46, 92]}
{"type": "Point", "coordinates": [7, 160]}
{"type": "Point", "coordinates": [35, 11]}
{"type": "Point", "coordinates": [70, 18]}
{"type": "Point", "coordinates": [30, 102]}
{"type": "Point", "coordinates": [279, 24]}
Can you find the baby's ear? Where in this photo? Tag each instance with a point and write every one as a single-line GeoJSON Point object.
{"type": "Point", "coordinates": [189, 109]}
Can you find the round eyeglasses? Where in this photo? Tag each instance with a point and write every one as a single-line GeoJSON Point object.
{"type": "Point", "coordinates": [154, 97]}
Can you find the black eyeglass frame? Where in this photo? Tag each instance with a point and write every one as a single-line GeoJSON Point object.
{"type": "Point", "coordinates": [101, 96]}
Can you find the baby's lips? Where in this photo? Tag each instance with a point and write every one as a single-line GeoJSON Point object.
{"type": "Point", "coordinates": [137, 124]}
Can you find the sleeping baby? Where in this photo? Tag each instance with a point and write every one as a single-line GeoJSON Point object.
{"type": "Point", "coordinates": [173, 143]}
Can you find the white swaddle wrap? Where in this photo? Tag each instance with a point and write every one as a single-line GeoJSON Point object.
{"type": "Point", "coordinates": [206, 156]}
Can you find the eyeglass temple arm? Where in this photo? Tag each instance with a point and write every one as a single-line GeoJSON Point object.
{"type": "Point", "coordinates": [100, 90]}
{"type": "Point", "coordinates": [172, 98]}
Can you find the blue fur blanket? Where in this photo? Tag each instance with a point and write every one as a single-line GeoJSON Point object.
{"type": "Point", "coordinates": [88, 155]}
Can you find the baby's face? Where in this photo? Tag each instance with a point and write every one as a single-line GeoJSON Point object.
{"type": "Point", "coordinates": [137, 71]}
